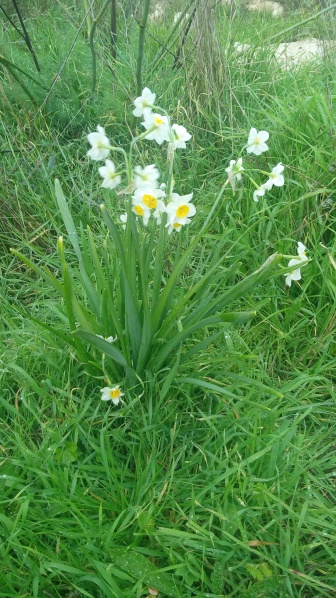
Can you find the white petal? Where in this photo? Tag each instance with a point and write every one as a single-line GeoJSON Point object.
{"type": "Point", "coordinates": [288, 280]}
{"type": "Point", "coordinates": [300, 248]}
{"type": "Point", "coordinates": [263, 135]}
{"type": "Point", "coordinates": [296, 275]}
{"type": "Point", "coordinates": [279, 181]}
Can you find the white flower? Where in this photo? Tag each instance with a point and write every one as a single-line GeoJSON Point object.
{"type": "Point", "coordinates": [256, 142]}
{"type": "Point", "coordinates": [234, 171]}
{"type": "Point", "coordinates": [301, 249]}
{"type": "Point", "coordinates": [175, 226]}
{"type": "Point", "coordinates": [123, 219]}
{"type": "Point", "coordinates": [144, 103]}
{"type": "Point", "coordinates": [300, 260]}
{"type": "Point", "coordinates": [140, 209]}
{"type": "Point", "coordinates": [159, 210]}
{"type": "Point", "coordinates": [111, 179]}
{"type": "Point", "coordinates": [112, 394]}
{"type": "Point", "coordinates": [179, 211]}
{"type": "Point", "coordinates": [146, 176]}
{"type": "Point", "coordinates": [159, 126]}
{"type": "Point", "coordinates": [181, 135]}
{"type": "Point", "coordinates": [98, 141]}
{"type": "Point", "coordinates": [235, 168]}
{"type": "Point", "coordinates": [108, 339]}
{"type": "Point", "coordinates": [295, 274]}
{"type": "Point", "coordinates": [276, 177]}
{"type": "Point", "coordinates": [148, 196]}
{"type": "Point", "coordinates": [262, 189]}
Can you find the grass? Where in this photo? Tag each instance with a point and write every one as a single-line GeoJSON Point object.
{"type": "Point", "coordinates": [223, 485]}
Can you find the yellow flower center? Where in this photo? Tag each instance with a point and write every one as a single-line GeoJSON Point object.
{"type": "Point", "coordinates": [149, 201]}
{"type": "Point", "coordinates": [115, 394]}
{"type": "Point", "coordinates": [257, 141]}
{"type": "Point", "coordinates": [139, 210]}
{"type": "Point", "coordinates": [159, 121]}
{"type": "Point", "coordinates": [177, 225]}
{"type": "Point", "coordinates": [182, 211]}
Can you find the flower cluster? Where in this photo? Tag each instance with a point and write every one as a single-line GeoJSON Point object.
{"type": "Point", "coordinates": [100, 149]}
{"type": "Point", "coordinates": [157, 125]}
{"type": "Point", "coordinates": [234, 171]}
{"type": "Point", "coordinates": [148, 197]}
{"type": "Point", "coordinates": [256, 145]}
{"type": "Point", "coordinates": [301, 260]}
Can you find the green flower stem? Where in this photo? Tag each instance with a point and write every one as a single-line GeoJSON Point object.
{"type": "Point", "coordinates": [22, 85]}
{"type": "Point", "coordinates": [127, 160]}
{"type": "Point", "coordinates": [113, 28]}
{"type": "Point", "coordinates": [141, 45]}
{"type": "Point", "coordinates": [214, 207]}
{"type": "Point", "coordinates": [88, 17]}
{"type": "Point", "coordinates": [170, 162]}
{"type": "Point", "coordinates": [117, 149]}
{"type": "Point", "coordinates": [252, 181]}
{"type": "Point", "coordinates": [158, 266]}
{"type": "Point", "coordinates": [93, 52]}
{"type": "Point", "coordinates": [159, 109]}
{"type": "Point", "coordinates": [170, 167]}
{"type": "Point", "coordinates": [26, 36]}
{"type": "Point", "coordinates": [142, 136]}
{"type": "Point", "coordinates": [11, 65]}
{"type": "Point", "coordinates": [134, 141]}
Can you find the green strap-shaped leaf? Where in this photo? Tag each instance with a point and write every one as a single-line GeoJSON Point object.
{"type": "Point", "coordinates": [146, 337]}
{"type": "Point", "coordinates": [72, 304]}
{"type": "Point", "coordinates": [238, 291]}
{"type": "Point", "coordinates": [67, 219]}
{"type": "Point", "coordinates": [169, 347]}
{"type": "Point", "coordinates": [131, 309]}
{"type": "Point", "coordinates": [102, 345]}
{"type": "Point", "coordinates": [197, 296]}
{"type": "Point", "coordinates": [159, 311]}
{"type": "Point", "coordinates": [74, 240]}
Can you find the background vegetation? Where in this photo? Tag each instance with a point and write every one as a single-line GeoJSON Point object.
{"type": "Point", "coordinates": [225, 485]}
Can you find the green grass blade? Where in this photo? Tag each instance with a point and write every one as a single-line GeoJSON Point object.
{"type": "Point", "coordinates": [44, 273]}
